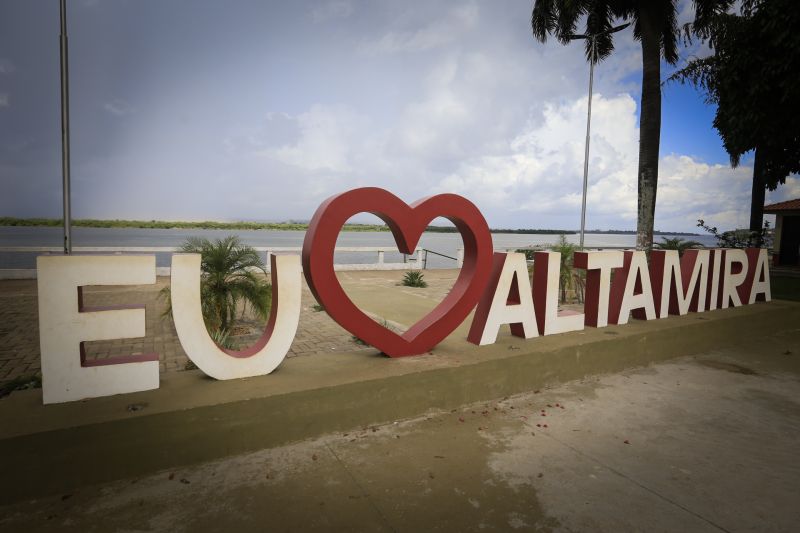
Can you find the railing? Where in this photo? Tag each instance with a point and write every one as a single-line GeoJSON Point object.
{"type": "Point", "coordinates": [410, 261]}
{"type": "Point", "coordinates": [458, 260]}
{"type": "Point", "coordinates": [416, 261]}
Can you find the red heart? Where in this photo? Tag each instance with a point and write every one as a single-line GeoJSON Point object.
{"type": "Point", "coordinates": [407, 224]}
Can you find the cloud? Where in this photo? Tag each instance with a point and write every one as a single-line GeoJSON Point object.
{"type": "Point", "coordinates": [416, 97]}
{"type": "Point", "coordinates": [689, 189]}
{"type": "Point", "coordinates": [336, 9]}
{"type": "Point", "coordinates": [447, 29]}
{"type": "Point", "coordinates": [6, 66]}
{"type": "Point", "coordinates": [539, 175]}
{"type": "Point", "coordinates": [540, 172]}
{"type": "Point", "coordinates": [118, 108]}
{"type": "Point", "coordinates": [3, 100]}
{"type": "Point", "coordinates": [328, 137]}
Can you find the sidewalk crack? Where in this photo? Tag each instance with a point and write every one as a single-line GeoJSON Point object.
{"type": "Point", "coordinates": [362, 489]}
{"type": "Point", "coordinates": [640, 485]}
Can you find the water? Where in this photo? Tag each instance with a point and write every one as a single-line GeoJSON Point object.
{"type": "Point", "coordinates": [444, 243]}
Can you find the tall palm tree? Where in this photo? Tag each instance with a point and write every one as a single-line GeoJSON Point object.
{"type": "Point", "coordinates": [655, 26]}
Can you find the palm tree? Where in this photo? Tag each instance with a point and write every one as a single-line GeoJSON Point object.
{"type": "Point", "coordinates": [677, 244]}
{"type": "Point", "coordinates": [568, 278]}
{"type": "Point", "coordinates": [229, 275]}
{"type": "Point", "coordinates": [655, 26]}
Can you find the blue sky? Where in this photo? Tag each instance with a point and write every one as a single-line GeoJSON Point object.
{"type": "Point", "coordinates": [260, 110]}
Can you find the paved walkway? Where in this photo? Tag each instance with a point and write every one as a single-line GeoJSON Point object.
{"type": "Point", "coordinates": [700, 444]}
{"type": "Point", "coordinates": [317, 333]}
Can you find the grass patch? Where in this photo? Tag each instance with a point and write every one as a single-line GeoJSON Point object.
{"type": "Point", "coordinates": [317, 308]}
{"type": "Point", "coordinates": [383, 322]}
{"type": "Point", "coordinates": [33, 381]}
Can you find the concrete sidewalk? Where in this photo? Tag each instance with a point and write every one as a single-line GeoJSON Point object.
{"type": "Point", "coordinates": [702, 443]}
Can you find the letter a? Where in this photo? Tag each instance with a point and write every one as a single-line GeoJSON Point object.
{"type": "Point", "coordinates": [507, 300]}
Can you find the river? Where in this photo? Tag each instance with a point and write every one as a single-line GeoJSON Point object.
{"type": "Point", "coordinates": [444, 243]}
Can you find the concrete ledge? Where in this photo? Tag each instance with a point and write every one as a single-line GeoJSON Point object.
{"type": "Point", "coordinates": [191, 418]}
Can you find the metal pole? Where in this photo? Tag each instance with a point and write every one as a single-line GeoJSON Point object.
{"type": "Point", "coordinates": [592, 59]}
{"type": "Point", "coordinates": [65, 129]}
{"type": "Point", "coordinates": [586, 153]}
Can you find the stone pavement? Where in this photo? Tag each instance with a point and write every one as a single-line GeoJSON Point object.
{"type": "Point", "coordinates": [706, 443]}
{"type": "Point", "coordinates": [317, 333]}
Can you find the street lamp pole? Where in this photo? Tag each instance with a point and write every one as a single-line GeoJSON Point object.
{"type": "Point", "coordinates": [65, 129]}
{"type": "Point", "coordinates": [592, 38]}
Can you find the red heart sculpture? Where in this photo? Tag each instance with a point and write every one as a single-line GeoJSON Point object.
{"type": "Point", "coordinates": [407, 224]}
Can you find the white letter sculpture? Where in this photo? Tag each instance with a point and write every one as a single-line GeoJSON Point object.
{"type": "Point", "coordinates": [546, 279]}
{"type": "Point", "coordinates": [268, 352]}
{"type": "Point", "coordinates": [507, 300]}
{"type": "Point", "coordinates": [64, 325]}
{"type": "Point", "coordinates": [679, 283]}
{"type": "Point", "coordinates": [631, 292]}
{"type": "Point", "coordinates": [734, 273]}
{"type": "Point", "coordinates": [598, 267]}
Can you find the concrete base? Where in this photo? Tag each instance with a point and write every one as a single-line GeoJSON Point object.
{"type": "Point", "coordinates": [191, 418]}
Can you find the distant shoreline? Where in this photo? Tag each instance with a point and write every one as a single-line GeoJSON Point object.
{"type": "Point", "coordinates": [278, 226]}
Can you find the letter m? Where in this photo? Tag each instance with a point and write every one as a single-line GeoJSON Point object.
{"type": "Point", "coordinates": [679, 285]}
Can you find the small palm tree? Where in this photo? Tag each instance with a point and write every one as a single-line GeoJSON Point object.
{"type": "Point", "coordinates": [569, 279]}
{"type": "Point", "coordinates": [414, 278]}
{"type": "Point", "coordinates": [677, 244]}
{"type": "Point", "coordinates": [229, 276]}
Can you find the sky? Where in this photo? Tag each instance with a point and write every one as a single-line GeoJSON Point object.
{"type": "Point", "coordinates": [259, 110]}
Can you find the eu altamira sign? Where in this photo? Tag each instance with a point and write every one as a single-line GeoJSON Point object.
{"type": "Point", "coordinates": [496, 285]}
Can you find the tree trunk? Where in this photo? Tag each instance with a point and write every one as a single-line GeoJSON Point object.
{"type": "Point", "coordinates": [649, 130]}
{"type": "Point", "coordinates": [759, 192]}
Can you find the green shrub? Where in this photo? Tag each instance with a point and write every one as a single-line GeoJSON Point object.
{"type": "Point", "coordinates": [414, 278]}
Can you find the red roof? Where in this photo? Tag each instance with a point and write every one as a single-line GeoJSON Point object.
{"type": "Point", "coordinates": [788, 205]}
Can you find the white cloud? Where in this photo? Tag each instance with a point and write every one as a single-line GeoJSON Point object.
{"type": "Point", "coordinates": [689, 189]}
{"type": "Point", "coordinates": [788, 191]}
{"type": "Point", "coordinates": [455, 22]}
{"type": "Point", "coordinates": [416, 97]}
{"type": "Point", "coordinates": [541, 170]}
{"type": "Point", "coordinates": [3, 100]}
{"type": "Point", "coordinates": [336, 9]}
{"type": "Point", "coordinates": [118, 108]}
{"type": "Point", "coordinates": [329, 137]}
{"type": "Point", "coordinates": [539, 175]}
{"type": "Point", "coordinates": [6, 66]}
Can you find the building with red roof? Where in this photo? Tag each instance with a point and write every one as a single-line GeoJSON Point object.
{"type": "Point", "coordinates": [786, 248]}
